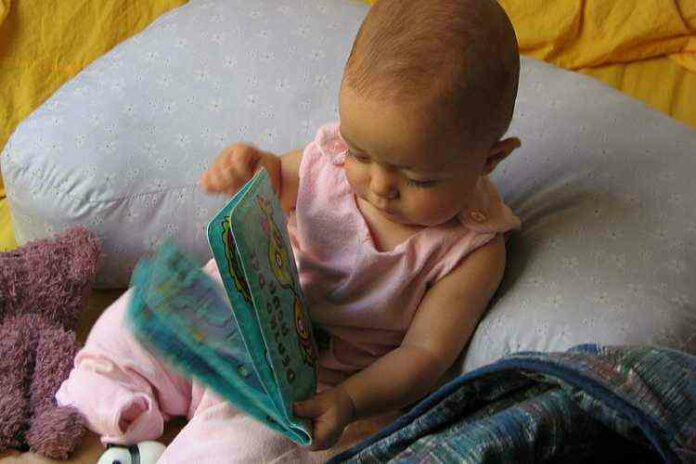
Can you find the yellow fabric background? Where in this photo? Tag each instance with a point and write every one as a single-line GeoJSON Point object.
{"type": "Point", "coordinates": [646, 48]}
{"type": "Point", "coordinates": [591, 33]}
{"type": "Point", "coordinates": [7, 240]}
{"type": "Point", "coordinates": [72, 34]}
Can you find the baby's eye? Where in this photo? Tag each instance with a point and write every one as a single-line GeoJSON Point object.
{"type": "Point", "coordinates": [421, 183]}
{"type": "Point", "coordinates": [361, 157]}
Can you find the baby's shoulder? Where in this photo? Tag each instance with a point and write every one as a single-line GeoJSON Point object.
{"type": "Point", "coordinates": [328, 144]}
{"type": "Point", "coordinates": [486, 212]}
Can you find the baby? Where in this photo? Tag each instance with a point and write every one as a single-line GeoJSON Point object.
{"type": "Point", "coordinates": [396, 229]}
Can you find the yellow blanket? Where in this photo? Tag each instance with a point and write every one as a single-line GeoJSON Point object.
{"type": "Point", "coordinates": [646, 48]}
{"type": "Point", "coordinates": [592, 33]}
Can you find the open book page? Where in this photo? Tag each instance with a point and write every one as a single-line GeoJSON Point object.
{"type": "Point", "coordinates": [182, 314]}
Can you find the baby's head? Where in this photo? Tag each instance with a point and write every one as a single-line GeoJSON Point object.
{"type": "Point", "coordinates": [428, 92]}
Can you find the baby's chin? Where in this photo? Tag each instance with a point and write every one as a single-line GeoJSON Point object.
{"type": "Point", "coordinates": [413, 220]}
{"type": "Point", "coordinates": [410, 218]}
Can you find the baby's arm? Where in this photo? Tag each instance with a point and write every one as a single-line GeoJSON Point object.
{"type": "Point", "coordinates": [238, 163]}
{"type": "Point", "coordinates": [442, 326]}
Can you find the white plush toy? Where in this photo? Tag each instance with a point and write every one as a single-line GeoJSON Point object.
{"type": "Point", "coordinates": [146, 452]}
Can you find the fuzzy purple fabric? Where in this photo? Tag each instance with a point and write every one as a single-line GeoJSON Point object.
{"type": "Point", "coordinates": [17, 341]}
{"type": "Point", "coordinates": [49, 277]}
{"type": "Point", "coordinates": [43, 287]}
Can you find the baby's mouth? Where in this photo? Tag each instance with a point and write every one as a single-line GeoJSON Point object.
{"type": "Point", "coordinates": [389, 213]}
{"type": "Point", "coordinates": [382, 208]}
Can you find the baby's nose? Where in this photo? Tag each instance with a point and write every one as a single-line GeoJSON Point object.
{"type": "Point", "coordinates": [383, 183]}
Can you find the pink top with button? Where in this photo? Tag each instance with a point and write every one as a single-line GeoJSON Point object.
{"type": "Point", "coordinates": [364, 298]}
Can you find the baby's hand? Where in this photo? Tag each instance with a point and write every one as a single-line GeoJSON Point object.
{"type": "Point", "coordinates": [330, 411]}
{"type": "Point", "coordinates": [234, 167]}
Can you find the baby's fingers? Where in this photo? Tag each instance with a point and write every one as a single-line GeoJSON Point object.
{"type": "Point", "coordinates": [231, 170]}
{"type": "Point", "coordinates": [219, 180]}
{"type": "Point", "coordinates": [325, 434]}
{"type": "Point", "coordinates": [309, 409]}
{"type": "Point", "coordinates": [211, 181]}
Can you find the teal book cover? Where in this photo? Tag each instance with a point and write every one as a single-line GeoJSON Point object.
{"type": "Point", "coordinates": [249, 339]}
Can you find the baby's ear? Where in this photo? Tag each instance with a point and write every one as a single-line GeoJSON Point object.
{"type": "Point", "coordinates": [499, 152]}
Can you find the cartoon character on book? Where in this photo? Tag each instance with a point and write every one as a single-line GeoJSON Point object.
{"type": "Point", "coordinates": [278, 256]}
{"type": "Point", "coordinates": [304, 330]}
{"type": "Point", "coordinates": [236, 271]}
{"type": "Point", "coordinates": [279, 261]}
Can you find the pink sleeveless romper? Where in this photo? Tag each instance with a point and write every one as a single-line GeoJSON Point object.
{"type": "Point", "coordinates": [365, 298]}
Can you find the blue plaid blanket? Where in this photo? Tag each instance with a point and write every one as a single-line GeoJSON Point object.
{"type": "Point", "coordinates": [592, 403]}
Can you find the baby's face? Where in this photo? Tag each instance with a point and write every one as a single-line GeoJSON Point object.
{"type": "Point", "coordinates": [402, 165]}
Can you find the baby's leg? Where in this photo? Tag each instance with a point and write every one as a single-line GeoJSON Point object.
{"type": "Point", "coordinates": [125, 393]}
{"type": "Point", "coordinates": [218, 432]}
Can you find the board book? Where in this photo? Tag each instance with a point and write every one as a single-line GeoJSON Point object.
{"type": "Point", "coordinates": [249, 338]}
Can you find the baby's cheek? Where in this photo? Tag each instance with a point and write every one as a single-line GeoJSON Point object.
{"type": "Point", "coordinates": [355, 176]}
{"type": "Point", "coordinates": [434, 209]}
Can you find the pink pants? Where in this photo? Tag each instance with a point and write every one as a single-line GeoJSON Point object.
{"type": "Point", "coordinates": [116, 378]}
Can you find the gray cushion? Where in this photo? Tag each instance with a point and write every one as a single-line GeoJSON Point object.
{"type": "Point", "coordinates": [604, 187]}
{"type": "Point", "coordinates": [602, 183]}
